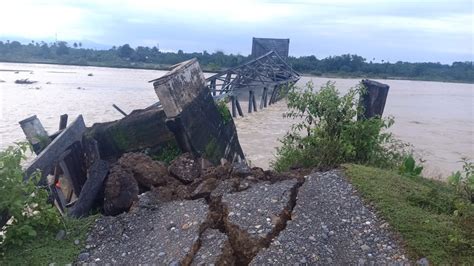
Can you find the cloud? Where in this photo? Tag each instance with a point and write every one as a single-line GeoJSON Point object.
{"type": "Point", "coordinates": [400, 29]}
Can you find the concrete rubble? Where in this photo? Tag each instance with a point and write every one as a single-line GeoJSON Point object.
{"type": "Point", "coordinates": [185, 168]}
{"type": "Point", "coordinates": [110, 159]}
{"type": "Point", "coordinates": [146, 171]}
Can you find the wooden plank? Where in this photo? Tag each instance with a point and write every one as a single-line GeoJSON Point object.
{"type": "Point", "coordinates": [63, 121]}
{"type": "Point", "coordinates": [266, 98]}
{"type": "Point", "coordinates": [250, 102]}
{"type": "Point", "coordinates": [118, 109]}
{"type": "Point", "coordinates": [274, 94]}
{"type": "Point", "coordinates": [90, 147]}
{"type": "Point", "coordinates": [262, 99]}
{"type": "Point", "coordinates": [75, 169]}
{"type": "Point", "coordinates": [270, 102]}
{"type": "Point", "coordinates": [92, 187]}
{"type": "Point", "coordinates": [58, 200]}
{"type": "Point", "coordinates": [226, 81]}
{"type": "Point", "coordinates": [254, 102]}
{"type": "Point", "coordinates": [213, 87]}
{"type": "Point", "coordinates": [239, 109]}
{"type": "Point", "coordinates": [49, 157]}
{"type": "Point", "coordinates": [55, 193]}
{"type": "Point", "coordinates": [234, 111]}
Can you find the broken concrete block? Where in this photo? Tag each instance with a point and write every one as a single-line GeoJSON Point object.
{"type": "Point", "coordinates": [186, 168]}
{"type": "Point", "coordinates": [168, 234]}
{"type": "Point", "coordinates": [220, 172]}
{"type": "Point", "coordinates": [204, 189]}
{"type": "Point", "coordinates": [146, 171]}
{"type": "Point", "coordinates": [241, 170]}
{"type": "Point", "coordinates": [121, 190]}
{"type": "Point", "coordinates": [193, 116]}
{"type": "Point", "coordinates": [224, 187]}
{"type": "Point", "coordinates": [256, 215]}
{"type": "Point", "coordinates": [372, 100]}
{"type": "Point", "coordinates": [215, 249]}
{"type": "Point", "coordinates": [139, 130]}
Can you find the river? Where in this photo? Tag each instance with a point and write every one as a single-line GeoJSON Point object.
{"type": "Point", "coordinates": [436, 117]}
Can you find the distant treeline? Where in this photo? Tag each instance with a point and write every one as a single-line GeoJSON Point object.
{"type": "Point", "coordinates": [152, 58]}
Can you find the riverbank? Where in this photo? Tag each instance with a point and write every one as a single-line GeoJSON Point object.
{"type": "Point", "coordinates": [213, 69]}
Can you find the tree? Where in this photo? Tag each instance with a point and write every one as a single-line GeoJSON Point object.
{"type": "Point", "coordinates": [15, 45]}
{"type": "Point", "coordinates": [125, 51]}
{"type": "Point", "coordinates": [62, 48]}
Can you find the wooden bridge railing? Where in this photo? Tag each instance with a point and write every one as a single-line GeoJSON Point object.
{"type": "Point", "coordinates": [269, 73]}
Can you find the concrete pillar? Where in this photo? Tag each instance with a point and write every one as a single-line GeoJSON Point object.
{"type": "Point", "coordinates": [193, 116]}
{"type": "Point", "coordinates": [373, 99]}
{"type": "Point", "coordinates": [35, 133]}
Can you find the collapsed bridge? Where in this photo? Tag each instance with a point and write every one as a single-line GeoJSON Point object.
{"type": "Point", "coordinates": [267, 76]}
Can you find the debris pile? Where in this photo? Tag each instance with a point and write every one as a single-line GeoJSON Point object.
{"type": "Point", "coordinates": [200, 214]}
{"type": "Point", "coordinates": [25, 81]}
{"type": "Point", "coordinates": [103, 166]}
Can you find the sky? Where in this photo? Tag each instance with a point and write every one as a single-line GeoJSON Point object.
{"type": "Point", "coordinates": [389, 30]}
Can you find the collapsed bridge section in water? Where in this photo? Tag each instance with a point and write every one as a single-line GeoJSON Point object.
{"type": "Point", "coordinates": [267, 76]}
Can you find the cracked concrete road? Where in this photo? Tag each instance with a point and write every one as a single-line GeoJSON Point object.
{"type": "Point", "coordinates": [331, 225]}
{"type": "Point", "coordinates": [254, 216]}
{"type": "Point", "coordinates": [321, 221]}
{"type": "Point", "coordinates": [166, 234]}
{"type": "Point", "coordinates": [215, 249]}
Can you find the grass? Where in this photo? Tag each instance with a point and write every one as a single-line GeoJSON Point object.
{"type": "Point", "coordinates": [167, 153]}
{"type": "Point", "coordinates": [46, 249]}
{"type": "Point", "coordinates": [432, 219]}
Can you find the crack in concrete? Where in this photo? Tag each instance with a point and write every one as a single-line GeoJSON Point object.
{"type": "Point", "coordinates": [244, 246]}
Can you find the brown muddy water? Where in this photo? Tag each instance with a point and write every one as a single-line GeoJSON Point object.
{"type": "Point", "coordinates": [437, 118]}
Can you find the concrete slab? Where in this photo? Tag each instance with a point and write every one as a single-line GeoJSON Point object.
{"type": "Point", "coordinates": [254, 216]}
{"type": "Point", "coordinates": [215, 249]}
{"type": "Point", "coordinates": [167, 234]}
{"type": "Point", "coordinates": [331, 225]}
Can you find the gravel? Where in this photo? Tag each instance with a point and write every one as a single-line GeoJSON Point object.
{"type": "Point", "coordinates": [331, 225]}
{"type": "Point", "coordinates": [215, 249]}
{"type": "Point", "coordinates": [166, 234]}
{"type": "Point", "coordinates": [257, 214]}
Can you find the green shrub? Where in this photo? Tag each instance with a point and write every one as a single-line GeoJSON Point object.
{"type": "Point", "coordinates": [329, 133]}
{"type": "Point", "coordinates": [23, 200]}
{"type": "Point", "coordinates": [224, 111]}
{"type": "Point", "coordinates": [409, 167]}
{"type": "Point", "coordinates": [47, 250]}
{"type": "Point", "coordinates": [211, 151]}
{"type": "Point", "coordinates": [167, 154]}
{"type": "Point", "coordinates": [464, 181]}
